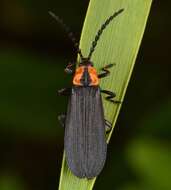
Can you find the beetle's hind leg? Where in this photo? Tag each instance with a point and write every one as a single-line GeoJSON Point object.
{"type": "Point", "coordinates": [105, 70]}
{"type": "Point", "coordinates": [61, 119]}
{"type": "Point", "coordinates": [110, 96]}
{"type": "Point", "coordinates": [63, 92]}
{"type": "Point", "coordinates": [108, 126]}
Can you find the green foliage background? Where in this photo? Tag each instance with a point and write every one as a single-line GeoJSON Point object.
{"type": "Point", "coordinates": [33, 53]}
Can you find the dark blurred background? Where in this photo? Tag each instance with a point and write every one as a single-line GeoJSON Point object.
{"type": "Point", "coordinates": [33, 53]}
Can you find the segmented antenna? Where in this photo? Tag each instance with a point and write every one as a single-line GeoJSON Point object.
{"type": "Point", "coordinates": [100, 31]}
{"type": "Point", "coordinates": [69, 33]}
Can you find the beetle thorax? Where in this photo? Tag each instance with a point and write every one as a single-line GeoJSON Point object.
{"type": "Point", "coordinates": [86, 75]}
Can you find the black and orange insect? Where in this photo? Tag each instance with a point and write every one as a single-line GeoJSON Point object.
{"type": "Point", "coordinates": [85, 142]}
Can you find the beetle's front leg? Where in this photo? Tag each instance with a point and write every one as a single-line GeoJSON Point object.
{"type": "Point", "coordinates": [64, 91]}
{"type": "Point", "coordinates": [105, 70]}
{"type": "Point", "coordinates": [69, 68]}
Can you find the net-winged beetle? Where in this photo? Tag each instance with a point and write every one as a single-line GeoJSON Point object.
{"type": "Point", "coordinates": [84, 142]}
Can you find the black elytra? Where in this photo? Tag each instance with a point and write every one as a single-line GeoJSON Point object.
{"type": "Point", "coordinates": [85, 141]}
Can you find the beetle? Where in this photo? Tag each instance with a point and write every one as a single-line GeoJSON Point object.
{"type": "Point", "coordinates": [85, 142]}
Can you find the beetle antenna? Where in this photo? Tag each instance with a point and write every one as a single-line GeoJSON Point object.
{"type": "Point", "coordinates": [100, 31]}
{"type": "Point", "coordinates": [69, 33]}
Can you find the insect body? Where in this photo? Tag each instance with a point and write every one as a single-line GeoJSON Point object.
{"type": "Point", "coordinates": [85, 143]}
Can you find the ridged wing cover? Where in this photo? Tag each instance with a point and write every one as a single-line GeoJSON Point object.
{"type": "Point", "coordinates": [85, 143]}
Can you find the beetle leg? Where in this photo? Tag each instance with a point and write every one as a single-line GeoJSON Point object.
{"type": "Point", "coordinates": [110, 96]}
{"type": "Point", "coordinates": [69, 68]}
{"type": "Point", "coordinates": [64, 91]}
{"type": "Point", "coordinates": [61, 119]}
{"type": "Point", "coordinates": [108, 126]}
{"type": "Point", "coordinates": [105, 70]}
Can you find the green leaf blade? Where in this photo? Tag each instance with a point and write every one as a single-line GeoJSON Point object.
{"type": "Point", "coordinates": [118, 44]}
